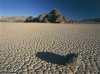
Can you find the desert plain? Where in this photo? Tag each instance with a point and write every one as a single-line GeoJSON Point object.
{"type": "Point", "coordinates": [20, 43]}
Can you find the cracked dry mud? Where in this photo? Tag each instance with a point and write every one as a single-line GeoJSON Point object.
{"type": "Point", "coordinates": [20, 42]}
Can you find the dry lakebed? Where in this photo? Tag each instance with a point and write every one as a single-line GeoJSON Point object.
{"type": "Point", "coordinates": [44, 48]}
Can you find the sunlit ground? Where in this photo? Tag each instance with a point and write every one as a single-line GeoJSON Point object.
{"type": "Point", "coordinates": [20, 42]}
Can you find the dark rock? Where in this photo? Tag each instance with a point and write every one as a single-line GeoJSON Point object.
{"type": "Point", "coordinates": [41, 18]}
{"type": "Point", "coordinates": [60, 19]}
{"type": "Point", "coordinates": [56, 17]}
{"type": "Point", "coordinates": [55, 12]}
{"type": "Point", "coordinates": [46, 20]}
{"type": "Point", "coordinates": [29, 19]}
{"type": "Point", "coordinates": [36, 19]}
{"type": "Point", "coordinates": [53, 17]}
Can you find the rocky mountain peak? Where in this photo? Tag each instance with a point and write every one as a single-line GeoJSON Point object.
{"type": "Point", "coordinates": [56, 12]}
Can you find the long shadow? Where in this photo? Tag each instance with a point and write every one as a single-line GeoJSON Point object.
{"type": "Point", "coordinates": [55, 58]}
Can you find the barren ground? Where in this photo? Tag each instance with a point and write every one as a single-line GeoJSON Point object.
{"type": "Point", "coordinates": [20, 42]}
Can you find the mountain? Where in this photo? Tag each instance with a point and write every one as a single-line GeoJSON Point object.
{"type": "Point", "coordinates": [93, 20]}
{"type": "Point", "coordinates": [12, 18]}
{"type": "Point", "coordinates": [54, 16]}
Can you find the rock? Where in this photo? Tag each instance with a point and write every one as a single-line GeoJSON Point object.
{"type": "Point", "coordinates": [56, 17]}
{"type": "Point", "coordinates": [56, 12]}
{"type": "Point", "coordinates": [29, 19]}
{"type": "Point", "coordinates": [46, 20]}
{"type": "Point", "coordinates": [42, 18]}
{"type": "Point", "coordinates": [53, 17]}
{"type": "Point", "coordinates": [36, 19]}
{"type": "Point", "coordinates": [60, 19]}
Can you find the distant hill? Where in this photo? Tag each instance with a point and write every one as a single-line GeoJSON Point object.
{"type": "Point", "coordinates": [93, 20]}
{"type": "Point", "coordinates": [12, 18]}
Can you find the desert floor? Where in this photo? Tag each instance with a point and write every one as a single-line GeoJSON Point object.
{"type": "Point", "coordinates": [20, 43]}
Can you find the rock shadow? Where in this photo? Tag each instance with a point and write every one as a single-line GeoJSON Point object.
{"type": "Point", "coordinates": [55, 58]}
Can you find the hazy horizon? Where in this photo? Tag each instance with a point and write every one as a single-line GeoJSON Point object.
{"type": "Point", "coordinates": [76, 10]}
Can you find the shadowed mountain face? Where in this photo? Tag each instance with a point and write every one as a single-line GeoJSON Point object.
{"type": "Point", "coordinates": [55, 58]}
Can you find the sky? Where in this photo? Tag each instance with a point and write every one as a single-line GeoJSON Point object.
{"type": "Point", "coordinates": [71, 9]}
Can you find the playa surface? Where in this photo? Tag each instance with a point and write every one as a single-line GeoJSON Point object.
{"type": "Point", "coordinates": [20, 43]}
